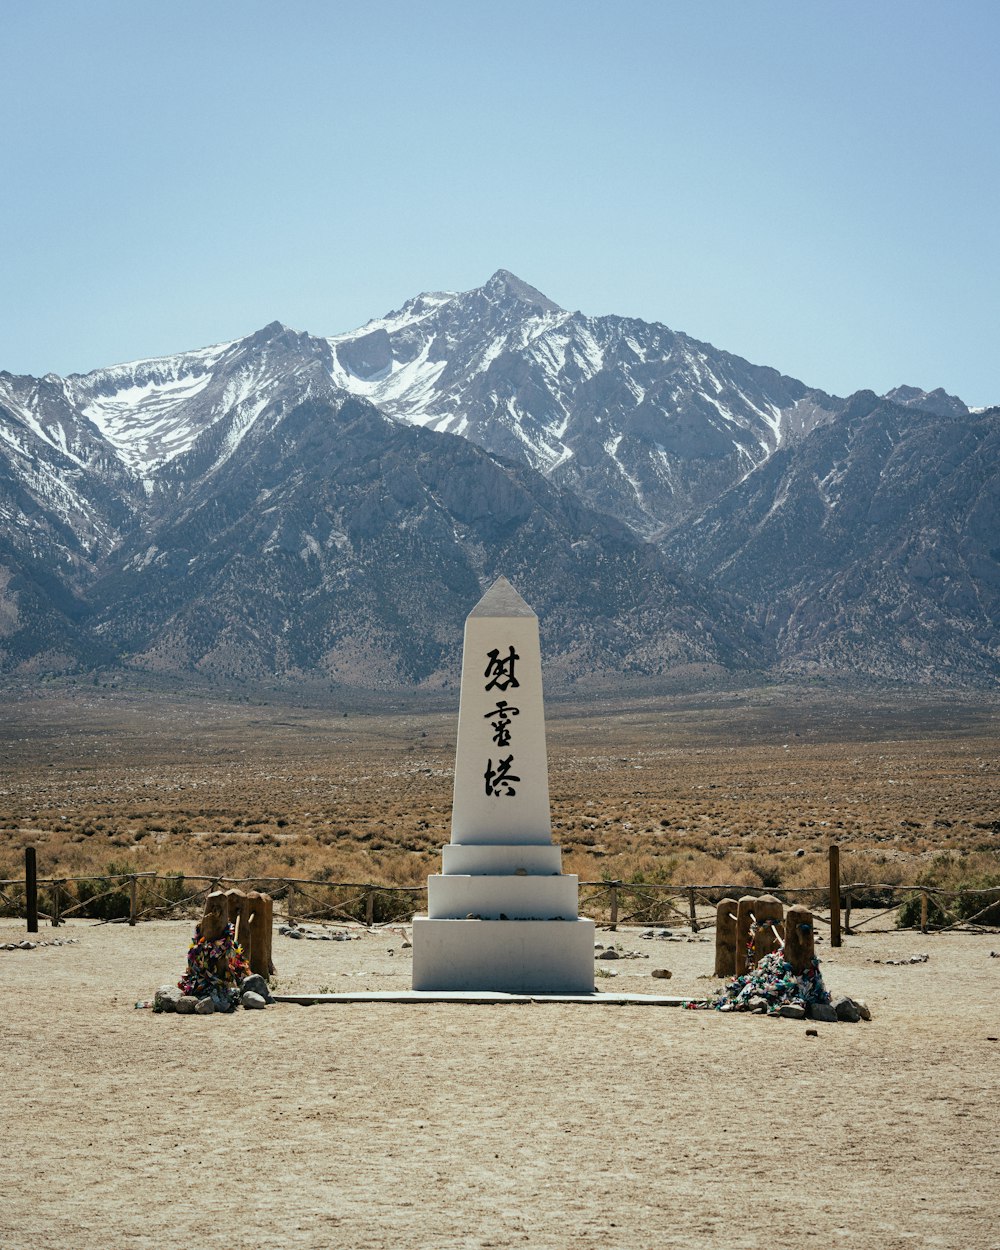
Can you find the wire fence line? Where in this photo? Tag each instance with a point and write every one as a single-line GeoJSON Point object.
{"type": "Point", "coordinates": [131, 897]}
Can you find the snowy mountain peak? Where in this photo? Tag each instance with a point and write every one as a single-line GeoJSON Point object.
{"type": "Point", "coordinates": [154, 411]}
{"type": "Point", "coordinates": [505, 285]}
{"type": "Point", "coordinates": [274, 331]}
{"type": "Point", "coordinates": [639, 420]}
{"type": "Point", "coordinates": [233, 510]}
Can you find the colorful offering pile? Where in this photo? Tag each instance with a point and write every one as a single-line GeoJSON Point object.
{"type": "Point", "coordinates": [215, 970]}
{"type": "Point", "coordinates": [771, 985]}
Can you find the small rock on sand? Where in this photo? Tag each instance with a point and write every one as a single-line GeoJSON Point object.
{"type": "Point", "coordinates": [792, 1011]}
{"type": "Point", "coordinates": [166, 998]}
{"type": "Point", "coordinates": [846, 1010]}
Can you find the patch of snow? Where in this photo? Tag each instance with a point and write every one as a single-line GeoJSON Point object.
{"type": "Point", "coordinates": [564, 455]}
{"type": "Point", "coordinates": [638, 392]}
{"type": "Point", "coordinates": [588, 351]}
{"type": "Point", "coordinates": [311, 548]}
{"type": "Point", "coordinates": [27, 412]}
{"type": "Point", "coordinates": [403, 390]}
{"type": "Point", "coordinates": [780, 500]}
{"type": "Point", "coordinates": [244, 415]}
{"type": "Point", "coordinates": [826, 486]}
{"type": "Point", "coordinates": [611, 447]}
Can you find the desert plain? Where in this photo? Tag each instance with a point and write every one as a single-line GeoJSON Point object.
{"type": "Point", "coordinates": [382, 1125]}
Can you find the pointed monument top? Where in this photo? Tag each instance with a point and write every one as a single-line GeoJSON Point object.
{"type": "Point", "coordinates": [501, 600]}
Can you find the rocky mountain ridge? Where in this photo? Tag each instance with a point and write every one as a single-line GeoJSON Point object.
{"type": "Point", "coordinates": [273, 504]}
{"type": "Point", "coordinates": [872, 547]}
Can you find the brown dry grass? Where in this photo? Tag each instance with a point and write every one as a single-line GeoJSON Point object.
{"type": "Point", "coordinates": [718, 787]}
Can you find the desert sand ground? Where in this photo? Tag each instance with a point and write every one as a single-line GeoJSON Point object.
{"type": "Point", "coordinates": [383, 1126]}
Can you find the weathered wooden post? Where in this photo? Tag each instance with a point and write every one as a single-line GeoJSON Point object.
{"type": "Point", "coordinates": [770, 934]}
{"type": "Point", "coordinates": [835, 895]}
{"type": "Point", "coordinates": [31, 888]}
{"type": "Point", "coordinates": [213, 923]}
{"type": "Point", "coordinates": [799, 939]}
{"type": "Point", "coordinates": [236, 910]}
{"type": "Point", "coordinates": [744, 919]}
{"type": "Point", "coordinates": [133, 899]}
{"type": "Point", "coordinates": [261, 926]}
{"type": "Point", "coordinates": [56, 902]}
{"type": "Point", "coordinates": [766, 912]}
{"type": "Point", "coordinates": [923, 911]}
{"type": "Point", "coordinates": [614, 906]}
{"type": "Point", "coordinates": [692, 913]}
{"type": "Point", "coordinates": [725, 938]}
{"type": "Point", "coordinates": [252, 918]}
{"type": "Point", "coordinates": [370, 908]}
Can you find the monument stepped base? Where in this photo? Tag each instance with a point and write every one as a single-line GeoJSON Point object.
{"type": "Point", "coordinates": [502, 898]}
{"type": "Point", "coordinates": [512, 956]}
{"type": "Point", "coordinates": [491, 859]}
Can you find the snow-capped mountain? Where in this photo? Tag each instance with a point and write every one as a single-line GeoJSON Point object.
{"type": "Point", "coordinates": [282, 503]}
{"type": "Point", "coordinates": [642, 422]}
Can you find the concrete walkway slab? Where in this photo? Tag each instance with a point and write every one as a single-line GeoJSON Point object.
{"type": "Point", "coordinates": [482, 996]}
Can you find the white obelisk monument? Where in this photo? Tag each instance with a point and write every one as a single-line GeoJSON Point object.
{"type": "Point", "coordinates": [502, 915]}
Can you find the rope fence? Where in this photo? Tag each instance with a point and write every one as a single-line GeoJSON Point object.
{"type": "Point", "coordinates": [131, 897]}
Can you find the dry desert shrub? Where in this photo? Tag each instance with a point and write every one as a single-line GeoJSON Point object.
{"type": "Point", "coordinates": [735, 789]}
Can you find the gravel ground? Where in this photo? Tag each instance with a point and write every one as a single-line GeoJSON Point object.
{"type": "Point", "coordinates": [385, 1126]}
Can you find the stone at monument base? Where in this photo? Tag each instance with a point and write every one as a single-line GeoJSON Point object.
{"type": "Point", "coordinates": [526, 956]}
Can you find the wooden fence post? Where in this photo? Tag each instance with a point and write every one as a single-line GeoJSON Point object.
{"type": "Point", "coordinates": [56, 892]}
{"type": "Point", "coordinates": [691, 911]}
{"type": "Point", "coordinates": [31, 888]}
{"type": "Point", "coordinates": [835, 939]}
{"type": "Point", "coordinates": [133, 899]}
{"type": "Point", "coordinates": [614, 906]}
{"type": "Point", "coordinates": [848, 901]}
{"type": "Point", "coordinates": [290, 903]}
{"type": "Point", "coordinates": [370, 908]}
{"type": "Point", "coordinates": [923, 911]}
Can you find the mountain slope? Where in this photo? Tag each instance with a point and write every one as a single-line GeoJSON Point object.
{"type": "Point", "coordinates": [338, 542]}
{"type": "Point", "coordinates": [871, 546]}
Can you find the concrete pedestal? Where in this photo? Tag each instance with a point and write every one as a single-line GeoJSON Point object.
{"type": "Point", "coordinates": [517, 957]}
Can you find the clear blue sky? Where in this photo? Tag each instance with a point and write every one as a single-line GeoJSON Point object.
{"type": "Point", "coordinates": [811, 185]}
